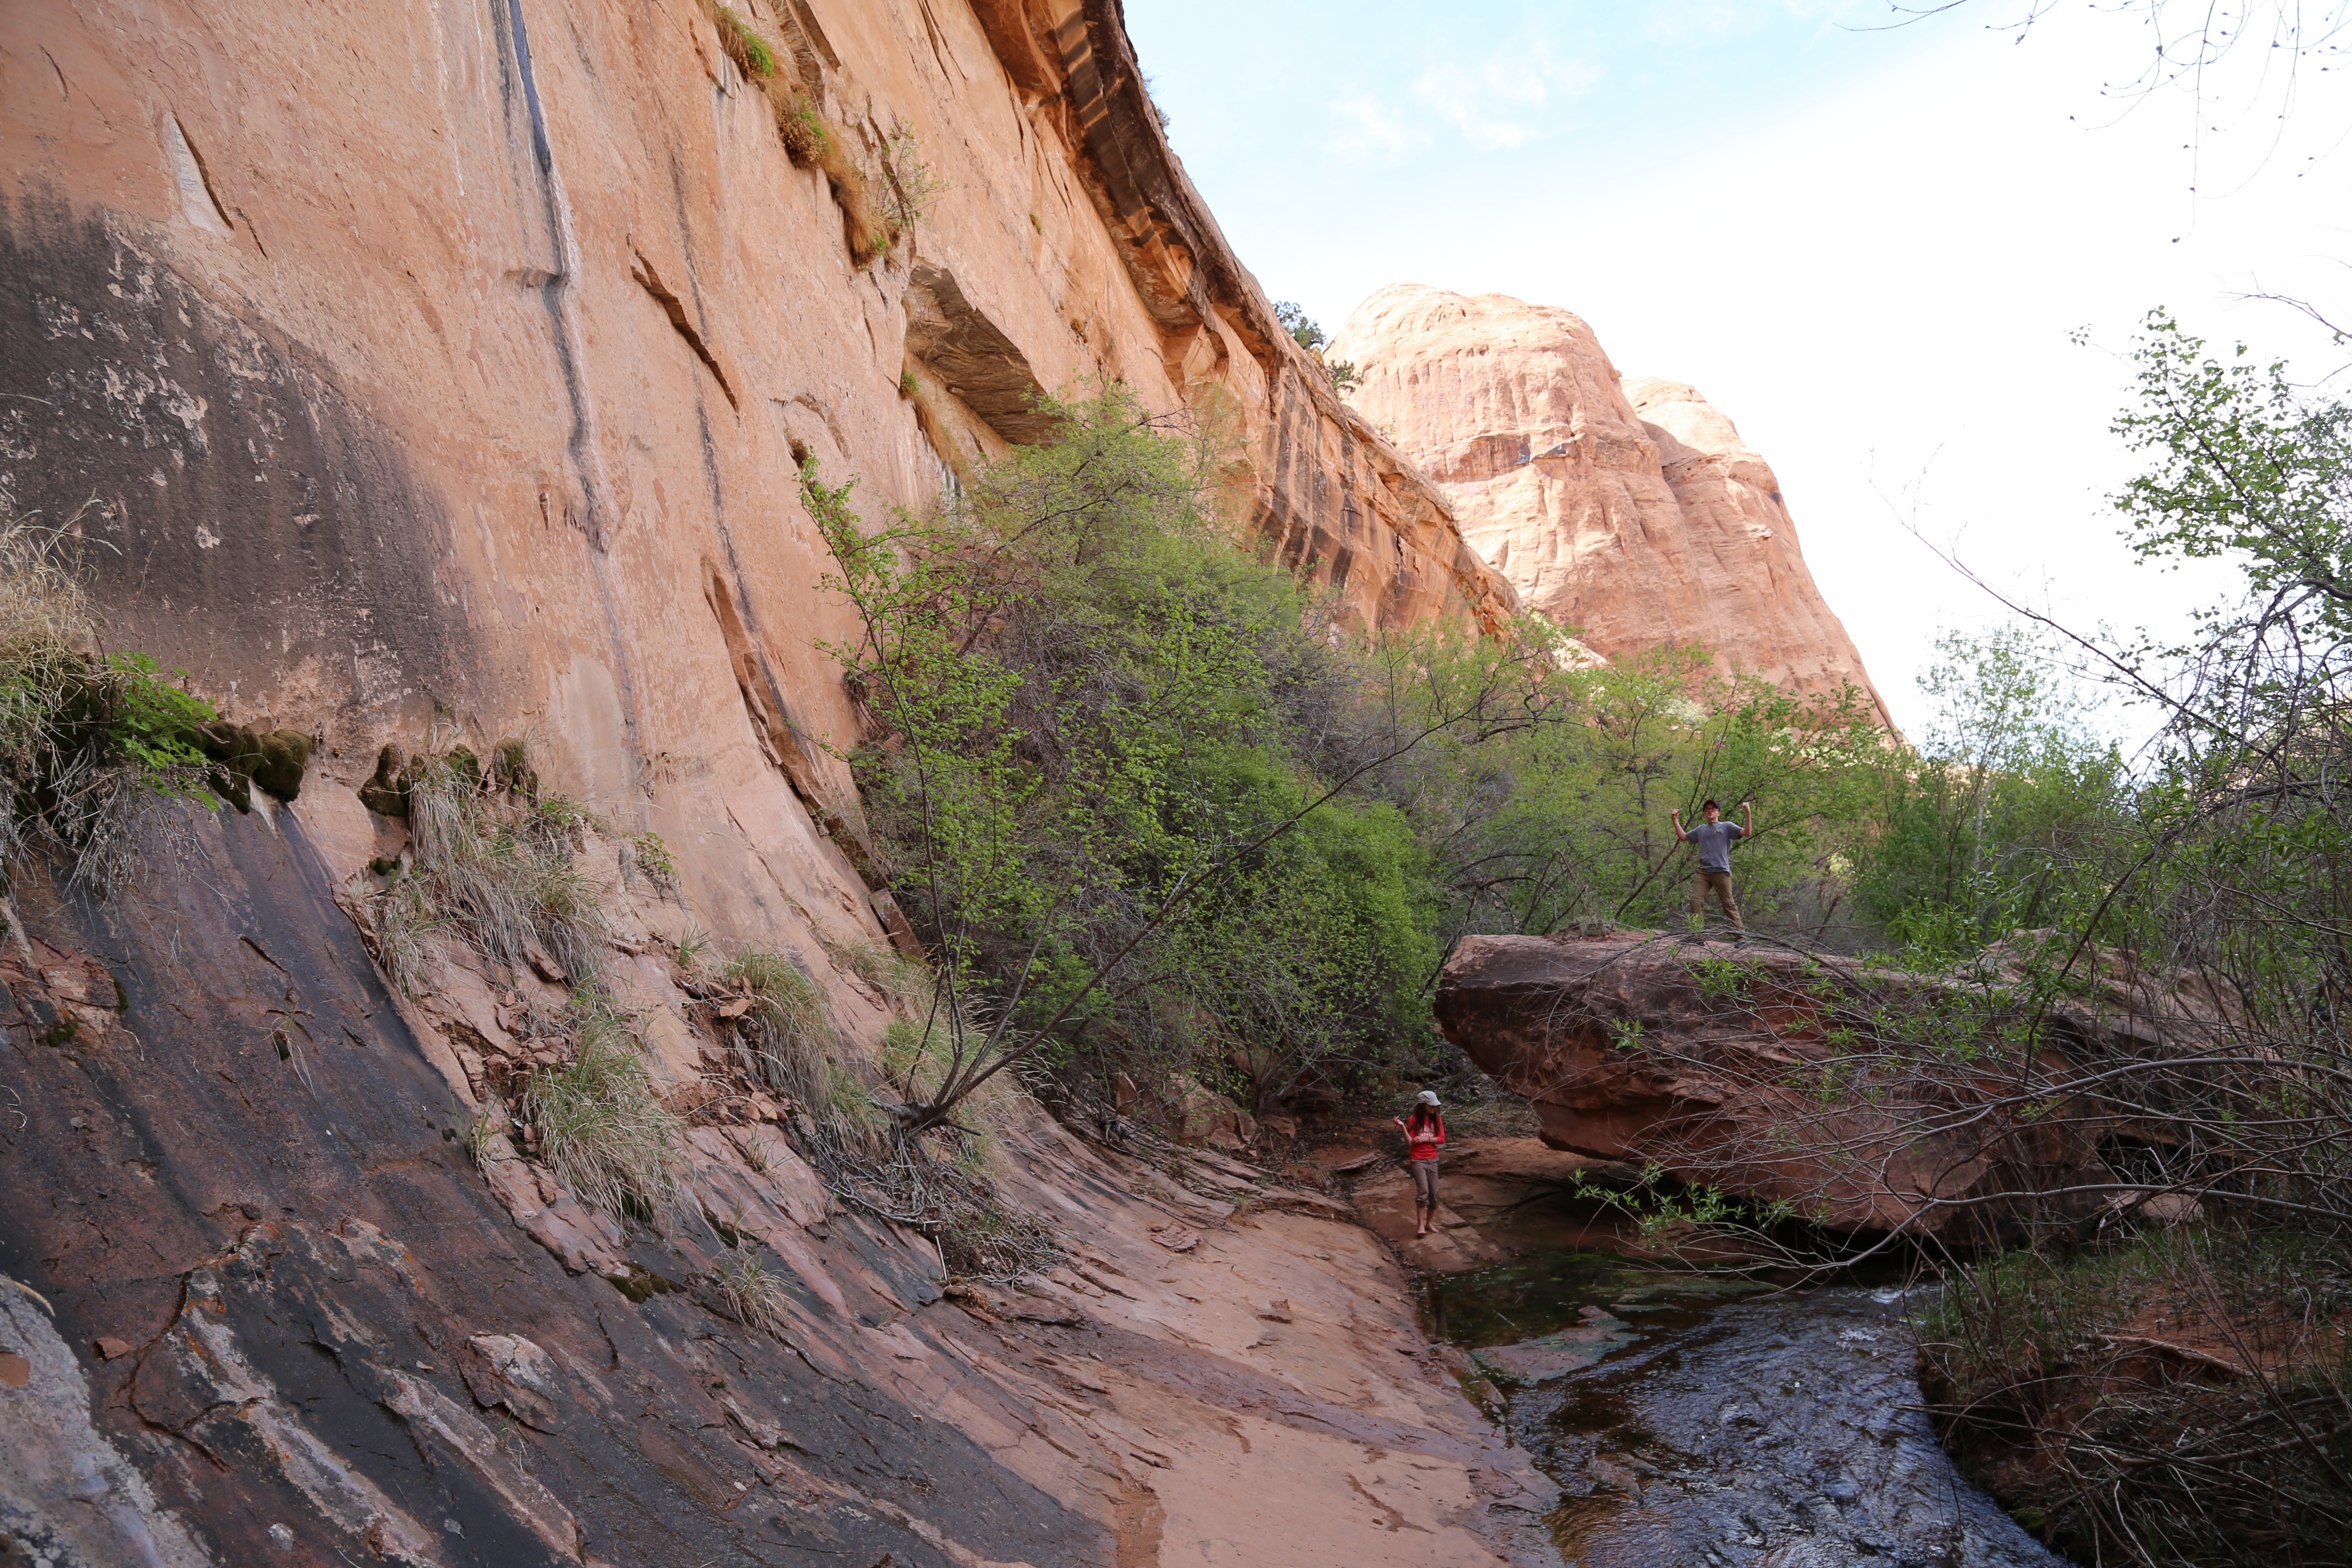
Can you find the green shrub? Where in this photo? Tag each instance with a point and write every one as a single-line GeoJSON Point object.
{"type": "Point", "coordinates": [646, 852]}
{"type": "Point", "coordinates": [88, 744]}
{"type": "Point", "coordinates": [749, 51]}
{"type": "Point", "coordinates": [913, 186]}
{"type": "Point", "coordinates": [1136, 716]}
{"type": "Point", "coordinates": [600, 1127]}
{"type": "Point", "coordinates": [2004, 816]}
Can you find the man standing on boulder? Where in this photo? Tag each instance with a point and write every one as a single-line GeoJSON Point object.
{"type": "Point", "coordinates": [1715, 837]}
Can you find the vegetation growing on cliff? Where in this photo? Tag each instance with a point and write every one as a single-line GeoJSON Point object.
{"type": "Point", "coordinates": [489, 861]}
{"type": "Point", "coordinates": [1167, 820]}
{"type": "Point", "coordinates": [595, 1119]}
{"type": "Point", "coordinates": [880, 178]}
{"type": "Point", "coordinates": [90, 741]}
{"type": "Point", "coordinates": [1309, 334]}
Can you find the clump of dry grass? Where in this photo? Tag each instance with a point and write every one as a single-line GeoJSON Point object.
{"type": "Point", "coordinates": [800, 1053]}
{"type": "Point", "coordinates": [742, 1288]}
{"type": "Point", "coordinates": [803, 132]}
{"type": "Point", "coordinates": [402, 922]}
{"type": "Point", "coordinates": [904, 982]}
{"type": "Point", "coordinates": [600, 1127]}
{"type": "Point", "coordinates": [980, 1237]}
{"type": "Point", "coordinates": [501, 873]}
{"type": "Point", "coordinates": [863, 221]}
{"type": "Point", "coordinates": [752, 54]}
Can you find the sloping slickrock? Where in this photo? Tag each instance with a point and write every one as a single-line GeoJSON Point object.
{"type": "Point", "coordinates": [1633, 514]}
{"type": "Point", "coordinates": [285, 1315]}
{"type": "Point", "coordinates": [1710, 1065]}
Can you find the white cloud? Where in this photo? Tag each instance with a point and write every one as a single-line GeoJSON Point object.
{"type": "Point", "coordinates": [1368, 129]}
{"type": "Point", "coordinates": [1506, 101]}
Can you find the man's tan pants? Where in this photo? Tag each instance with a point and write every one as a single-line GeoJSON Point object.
{"type": "Point", "coordinates": [1721, 882]}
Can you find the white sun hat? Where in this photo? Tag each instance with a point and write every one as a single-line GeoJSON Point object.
{"type": "Point", "coordinates": [1429, 1097]}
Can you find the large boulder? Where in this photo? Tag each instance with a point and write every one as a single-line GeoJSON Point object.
{"type": "Point", "coordinates": [1866, 1099]}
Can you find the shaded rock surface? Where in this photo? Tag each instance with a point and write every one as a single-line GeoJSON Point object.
{"type": "Point", "coordinates": [1630, 513]}
{"type": "Point", "coordinates": [287, 1310]}
{"type": "Point", "coordinates": [1648, 1050]}
{"type": "Point", "coordinates": [1497, 1197]}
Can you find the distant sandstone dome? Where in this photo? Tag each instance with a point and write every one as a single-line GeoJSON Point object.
{"type": "Point", "coordinates": [1630, 511]}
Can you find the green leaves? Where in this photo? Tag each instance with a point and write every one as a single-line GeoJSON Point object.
{"type": "Point", "coordinates": [1103, 727]}
{"type": "Point", "coordinates": [2244, 464]}
{"type": "Point", "coordinates": [1564, 818]}
{"type": "Point", "coordinates": [153, 722]}
{"type": "Point", "coordinates": [2004, 815]}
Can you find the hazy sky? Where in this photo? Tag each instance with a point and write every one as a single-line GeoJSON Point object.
{"type": "Point", "coordinates": [1869, 246]}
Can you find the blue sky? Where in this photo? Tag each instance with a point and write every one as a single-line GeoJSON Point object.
{"type": "Point", "coordinates": [1870, 246]}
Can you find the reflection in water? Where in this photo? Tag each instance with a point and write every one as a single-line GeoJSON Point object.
{"type": "Point", "coordinates": [1707, 1421]}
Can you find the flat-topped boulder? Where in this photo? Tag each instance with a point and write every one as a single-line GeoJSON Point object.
{"type": "Point", "coordinates": [1864, 1100]}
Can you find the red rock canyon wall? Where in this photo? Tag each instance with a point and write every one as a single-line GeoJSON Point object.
{"type": "Point", "coordinates": [437, 371]}
{"type": "Point", "coordinates": [1632, 512]}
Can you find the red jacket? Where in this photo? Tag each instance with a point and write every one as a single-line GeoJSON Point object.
{"type": "Point", "coordinates": [1425, 1143]}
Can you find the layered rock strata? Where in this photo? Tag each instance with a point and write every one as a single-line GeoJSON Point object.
{"type": "Point", "coordinates": [1630, 513]}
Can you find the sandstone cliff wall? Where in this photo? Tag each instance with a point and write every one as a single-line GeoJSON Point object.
{"type": "Point", "coordinates": [1631, 511]}
{"type": "Point", "coordinates": [452, 361]}
{"type": "Point", "coordinates": [439, 372]}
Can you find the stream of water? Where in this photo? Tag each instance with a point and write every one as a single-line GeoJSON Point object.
{"type": "Point", "coordinates": [1694, 1421]}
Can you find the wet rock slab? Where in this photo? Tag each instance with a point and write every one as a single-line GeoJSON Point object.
{"type": "Point", "coordinates": [1556, 1355]}
{"type": "Point", "coordinates": [1686, 1425]}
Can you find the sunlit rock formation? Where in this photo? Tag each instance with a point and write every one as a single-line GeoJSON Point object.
{"type": "Point", "coordinates": [1630, 513]}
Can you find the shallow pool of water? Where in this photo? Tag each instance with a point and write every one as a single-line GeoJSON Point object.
{"type": "Point", "coordinates": [1697, 1419]}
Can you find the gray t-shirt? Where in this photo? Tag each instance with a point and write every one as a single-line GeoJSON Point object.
{"type": "Point", "coordinates": [1713, 842]}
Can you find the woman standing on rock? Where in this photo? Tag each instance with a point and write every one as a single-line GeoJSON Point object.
{"type": "Point", "coordinates": [1424, 1135]}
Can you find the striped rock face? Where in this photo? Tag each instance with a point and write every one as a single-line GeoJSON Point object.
{"type": "Point", "coordinates": [1628, 511]}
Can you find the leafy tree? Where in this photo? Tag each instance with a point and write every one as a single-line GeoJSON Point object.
{"type": "Point", "coordinates": [2247, 467]}
{"type": "Point", "coordinates": [1998, 820]}
{"type": "Point", "coordinates": [1128, 771]}
{"type": "Point", "coordinates": [1301, 328]}
{"type": "Point", "coordinates": [1570, 822]}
